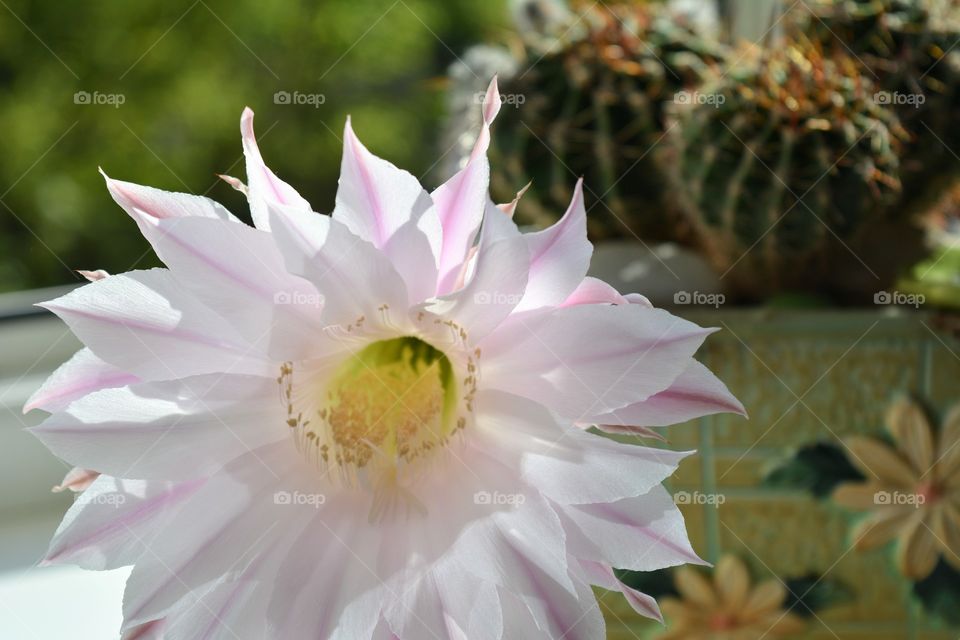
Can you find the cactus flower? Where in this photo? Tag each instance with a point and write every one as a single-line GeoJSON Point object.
{"type": "Point", "coordinates": [369, 424]}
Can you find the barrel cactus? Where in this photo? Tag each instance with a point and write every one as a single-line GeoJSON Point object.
{"type": "Point", "coordinates": [909, 48]}
{"type": "Point", "coordinates": [781, 166]}
{"type": "Point", "coordinates": [589, 101]}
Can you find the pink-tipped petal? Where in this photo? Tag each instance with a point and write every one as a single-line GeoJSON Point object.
{"type": "Point", "coordinates": [603, 576]}
{"type": "Point", "coordinates": [355, 279]}
{"type": "Point", "coordinates": [494, 288]}
{"type": "Point", "coordinates": [145, 323]}
{"type": "Point", "coordinates": [462, 199]}
{"type": "Point", "coordinates": [110, 523]}
{"type": "Point", "coordinates": [93, 276]}
{"type": "Point", "coordinates": [559, 257]}
{"type": "Point", "coordinates": [491, 102]}
{"type": "Point", "coordinates": [76, 480]}
{"type": "Point", "coordinates": [239, 273]}
{"type": "Point", "coordinates": [263, 185]}
{"type": "Point", "coordinates": [82, 374]}
{"type": "Point", "coordinates": [622, 354]}
{"type": "Point", "coordinates": [593, 291]}
{"type": "Point", "coordinates": [139, 201]}
{"type": "Point", "coordinates": [387, 207]}
{"type": "Point", "coordinates": [695, 393]}
{"type": "Point", "coordinates": [212, 418]}
{"type": "Point", "coordinates": [640, 533]}
{"type": "Point", "coordinates": [558, 455]}
{"type": "Point", "coordinates": [510, 208]}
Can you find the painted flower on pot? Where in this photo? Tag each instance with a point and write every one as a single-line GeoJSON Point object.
{"type": "Point", "coordinates": [912, 489]}
{"type": "Point", "coordinates": [370, 424]}
{"type": "Point", "coordinates": [728, 607]}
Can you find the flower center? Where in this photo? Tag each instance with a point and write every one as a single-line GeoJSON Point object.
{"type": "Point", "coordinates": [928, 492]}
{"type": "Point", "coordinates": [722, 622]}
{"type": "Point", "coordinates": [389, 404]}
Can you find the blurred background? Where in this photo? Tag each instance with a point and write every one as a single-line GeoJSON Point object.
{"type": "Point", "coordinates": [784, 170]}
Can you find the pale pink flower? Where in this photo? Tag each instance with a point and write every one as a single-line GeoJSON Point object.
{"type": "Point", "coordinates": [309, 429]}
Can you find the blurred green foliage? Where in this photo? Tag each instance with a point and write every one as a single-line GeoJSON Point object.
{"type": "Point", "coordinates": [185, 70]}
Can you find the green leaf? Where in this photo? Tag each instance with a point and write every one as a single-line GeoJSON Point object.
{"type": "Point", "coordinates": [817, 468]}
{"type": "Point", "coordinates": [939, 593]}
{"type": "Point", "coordinates": [810, 593]}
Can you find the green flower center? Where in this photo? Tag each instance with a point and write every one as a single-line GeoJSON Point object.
{"type": "Point", "coordinates": [390, 403]}
{"type": "Point", "coordinates": [395, 399]}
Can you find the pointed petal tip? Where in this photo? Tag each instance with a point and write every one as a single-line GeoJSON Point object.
{"type": "Point", "coordinates": [246, 123]}
{"type": "Point", "coordinates": [491, 102]}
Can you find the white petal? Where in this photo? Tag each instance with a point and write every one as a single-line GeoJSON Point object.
{"type": "Point", "coordinates": [695, 393]}
{"type": "Point", "coordinates": [356, 279]}
{"type": "Point", "coordinates": [263, 186]}
{"type": "Point", "coordinates": [586, 360]}
{"type": "Point", "coordinates": [110, 523]}
{"type": "Point", "coordinates": [239, 272]}
{"type": "Point", "coordinates": [551, 613]}
{"type": "Point", "coordinates": [387, 207]}
{"type": "Point", "coordinates": [593, 291]}
{"type": "Point", "coordinates": [375, 198]}
{"type": "Point", "coordinates": [328, 586]}
{"type": "Point", "coordinates": [567, 464]}
{"type": "Point", "coordinates": [494, 290]}
{"type": "Point", "coordinates": [461, 200]}
{"type": "Point", "coordinates": [147, 202]}
{"type": "Point", "coordinates": [559, 257]}
{"type": "Point", "coordinates": [145, 323]}
{"type": "Point", "coordinates": [643, 533]}
{"type": "Point", "coordinates": [446, 603]}
{"type": "Point", "coordinates": [231, 521]}
{"type": "Point", "coordinates": [176, 429]}
{"type": "Point", "coordinates": [82, 374]}
{"type": "Point", "coordinates": [603, 576]}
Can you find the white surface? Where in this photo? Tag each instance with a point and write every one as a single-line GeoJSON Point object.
{"type": "Point", "coordinates": [61, 603]}
{"type": "Point", "coordinates": [41, 603]}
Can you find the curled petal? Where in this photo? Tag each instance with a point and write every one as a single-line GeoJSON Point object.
{"type": "Point", "coordinates": [462, 199]}
{"type": "Point", "coordinates": [263, 186]}
{"type": "Point", "coordinates": [76, 480]}
{"type": "Point", "coordinates": [559, 257]}
{"type": "Point", "coordinates": [695, 393]}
